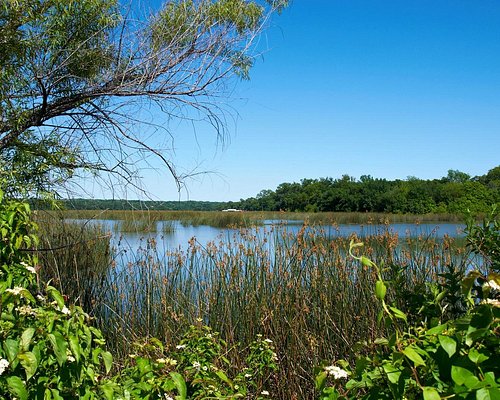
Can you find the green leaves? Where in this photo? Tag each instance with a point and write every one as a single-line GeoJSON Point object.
{"type": "Point", "coordinates": [430, 393]}
{"type": "Point", "coordinates": [17, 387]}
{"type": "Point", "coordinates": [380, 289]}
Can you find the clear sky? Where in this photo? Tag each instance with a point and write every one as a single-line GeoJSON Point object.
{"type": "Point", "coordinates": [384, 88]}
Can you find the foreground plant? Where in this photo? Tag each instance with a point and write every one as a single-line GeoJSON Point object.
{"type": "Point", "coordinates": [49, 350]}
{"type": "Point", "coordinates": [454, 359]}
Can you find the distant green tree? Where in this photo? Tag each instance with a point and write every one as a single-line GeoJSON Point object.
{"type": "Point", "coordinates": [457, 176]}
{"type": "Point", "coordinates": [74, 73]}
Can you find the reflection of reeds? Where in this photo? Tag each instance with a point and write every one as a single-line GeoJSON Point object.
{"type": "Point", "coordinates": [302, 290]}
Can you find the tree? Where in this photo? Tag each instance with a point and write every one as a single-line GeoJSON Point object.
{"type": "Point", "coordinates": [74, 72]}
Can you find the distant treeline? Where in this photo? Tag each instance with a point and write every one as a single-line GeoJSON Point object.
{"type": "Point", "coordinates": [454, 193]}
{"type": "Point", "coordinates": [97, 204]}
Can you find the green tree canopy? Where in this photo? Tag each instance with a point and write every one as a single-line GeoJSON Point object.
{"type": "Point", "coordinates": [73, 72]}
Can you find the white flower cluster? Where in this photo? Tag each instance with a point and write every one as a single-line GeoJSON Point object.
{"type": "Point", "coordinates": [16, 291]}
{"type": "Point", "coordinates": [3, 365]}
{"type": "Point", "coordinates": [28, 267]}
{"type": "Point", "coordinates": [26, 310]}
{"type": "Point", "coordinates": [336, 372]}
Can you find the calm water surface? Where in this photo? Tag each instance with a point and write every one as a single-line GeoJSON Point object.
{"type": "Point", "coordinates": [180, 235]}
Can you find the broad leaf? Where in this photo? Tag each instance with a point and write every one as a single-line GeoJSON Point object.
{"type": "Point", "coordinates": [448, 344]}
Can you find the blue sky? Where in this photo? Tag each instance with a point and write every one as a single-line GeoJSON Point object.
{"type": "Point", "coordinates": [386, 88]}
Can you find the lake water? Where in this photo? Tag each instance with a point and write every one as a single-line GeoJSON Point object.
{"type": "Point", "coordinates": [179, 235]}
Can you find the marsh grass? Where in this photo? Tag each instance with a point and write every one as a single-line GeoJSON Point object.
{"type": "Point", "coordinates": [302, 290]}
{"type": "Point", "coordinates": [74, 257]}
{"type": "Point", "coordinates": [221, 219]}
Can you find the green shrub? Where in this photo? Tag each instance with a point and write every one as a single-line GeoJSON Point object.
{"type": "Point", "coordinates": [438, 360]}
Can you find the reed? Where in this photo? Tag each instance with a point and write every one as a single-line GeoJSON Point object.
{"type": "Point", "coordinates": [302, 290]}
{"type": "Point", "coordinates": [143, 220]}
{"type": "Point", "coordinates": [74, 257]}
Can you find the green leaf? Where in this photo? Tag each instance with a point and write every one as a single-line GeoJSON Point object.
{"type": "Point", "coordinates": [180, 384]}
{"type": "Point", "coordinates": [448, 344]}
{"type": "Point", "coordinates": [463, 377]}
{"type": "Point", "coordinates": [437, 329]}
{"type": "Point", "coordinates": [75, 347]}
{"type": "Point", "coordinates": [319, 380]}
{"type": "Point", "coordinates": [483, 394]}
{"type": "Point", "coordinates": [26, 338]}
{"type": "Point", "coordinates": [11, 347]}
{"type": "Point", "coordinates": [108, 360]}
{"type": "Point", "coordinates": [413, 356]}
{"type": "Point", "coordinates": [392, 372]}
{"type": "Point", "coordinates": [223, 377]}
{"type": "Point", "coordinates": [477, 357]}
{"type": "Point", "coordinates": [17, 387]}
{"type": "Point", "coordinates": [380, 289]}
{"type": "Point", "coordinates": [59, 346]}
{"type": "Point", "coordinates": [430, 393]}
{"type": "Point", "coordinates": [29, 362]}
{"type": "Point", "coordinates": [398, 313]}
{"type": "Point", "coordinates": [56, 295]}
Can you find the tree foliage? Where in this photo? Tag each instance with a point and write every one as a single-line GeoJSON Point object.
{"type": "Point", "coordinates": [455, 193]}
{"type": "Point", "coordinates": [74, 73]}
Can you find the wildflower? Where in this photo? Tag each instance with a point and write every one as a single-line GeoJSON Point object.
{"type": "Point", "coordinates": [248, 375]}
{"type": "Point", "coordinates": [492, 284]}
{"type": "Point", "coordinates": [16, 291]}
{"type": "Point", "coordinates": [204, 368]}
{"type": "Point", "coordinates": [493, 302]}
{"type": "Point", "coordinates": [3, 365]}
{"type": "Point", "coordinates": [338, 373]}
{"type": "Point", "coordinates": [180, 346]}
{"type": "Point", "coordinates": [65, 310]}
{"type": "Point", "coordinates": [264, 393]}
{"type": "Point", "coordinates": [25, 310]}
{"type": "Point", "coordinates": [196, 365]}
{"type": "Point", "coordinates": [161, 361]}
{"type": "Point", "coordinates": [268, 340]}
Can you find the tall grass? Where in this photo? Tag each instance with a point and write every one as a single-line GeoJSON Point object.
{"type": "Point", "coordinates": [302, 290]}
{"type": "Point", "coordinates": [74, 257]}
{"type": "Point", "coordinates": [143, 219]}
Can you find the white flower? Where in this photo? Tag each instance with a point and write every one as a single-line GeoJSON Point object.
{"type": "Point", "coordinates": [196, 365]}
{"type": "Point", "coordinates": [26, 310]}
{"type": "Point", "coordinates": [180, 346]}
{"type": "Point", "coordinates": [16, 291]}
{"type": "Point", "coordinates": [70, 358]}
{"type": "Point", "coordinates": [338, 373]}
{"type": "Point", "coordinates": [493, 302]}
{"type": "Point", "coordinates": [264, 393]}
{"type": "Point", "coordinates": [248, 375]}
{"type": "Point", "coordinates": [65, 310]}
{"type": "Point", "coordinates": [28, 267]}
{"type": "Point", "coordinates": [3, 365]}
{"type": "Point", "coordinates": [268, 340]}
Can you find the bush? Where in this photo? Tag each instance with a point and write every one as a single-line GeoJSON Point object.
{"type": "Point", "coordinates": [431, 359]}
